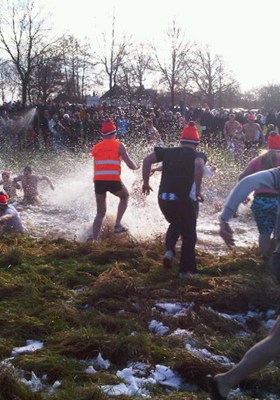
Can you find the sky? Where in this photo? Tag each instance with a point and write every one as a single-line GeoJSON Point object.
{"type": "Point", "coordinates": [244, 32]}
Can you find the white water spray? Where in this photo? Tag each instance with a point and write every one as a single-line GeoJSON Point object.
{"type": "Point", "coordinates": [69, 210]}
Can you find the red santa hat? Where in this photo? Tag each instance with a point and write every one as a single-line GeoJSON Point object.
{"type": "Point", "coordinates": [3, 199]}
{"type": "Point", "coordinates": [108, 128]}
{"type": "Point", "coordinates": [189, 134]}
{"type": "Point", "coordinates": [273, 142]}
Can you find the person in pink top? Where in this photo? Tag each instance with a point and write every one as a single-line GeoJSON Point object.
{"type": "Point", "coordinates": [265, 203]}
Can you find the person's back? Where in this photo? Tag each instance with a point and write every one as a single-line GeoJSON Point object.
{"type": "Point", "coordinates": [177, 170]}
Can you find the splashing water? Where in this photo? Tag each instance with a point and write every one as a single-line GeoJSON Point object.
{"type": "Point", "coordinates": [69, 210]}
{"type": "Point", "coordinates": [25, 121]}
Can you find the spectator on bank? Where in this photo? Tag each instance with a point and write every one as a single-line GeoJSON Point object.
{"type": "Point", "coordinates": [271, 118]}
{"type": "Point", "coordinates": [278, 121]}
{"type": "Point", "coordinates": [123, 124]}
{"type": "Point", "coordinates": [206, 124]}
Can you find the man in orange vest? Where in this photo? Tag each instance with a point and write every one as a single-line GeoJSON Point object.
{"type": "Point", "coordinates": [107, 156]}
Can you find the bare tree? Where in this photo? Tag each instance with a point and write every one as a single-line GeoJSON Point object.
{"type": "Point", "coordinates": [8, 83]}
{"type": "Point", "coordinates": [133, 71]}
{"type": "Point", "coordinates": [269, 96]}
{"type": "Point", "coordinates": [22, 37]}
{"type": "Point", "coordinates": [210, 76]}
{"type": "Point", "coordinates": [173, 67]}
{"type": "Point", "coordinates": [141, 63]}
{"type": "Point", "coordinates": [112, 55]}
{"type": "Point", "coordinates": [77, 67]}
{"type": "Point", "coordinates": [47, 79]}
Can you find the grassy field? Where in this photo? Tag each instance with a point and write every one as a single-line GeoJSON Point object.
{"type": "Point", "coordinates": [85, 299]}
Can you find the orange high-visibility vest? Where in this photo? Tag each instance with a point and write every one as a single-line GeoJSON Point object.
{"type": "Point", "coordinates": [107, 161]}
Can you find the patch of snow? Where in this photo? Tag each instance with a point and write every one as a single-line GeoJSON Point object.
{"type": "Point", "coordinates": [31, 347]}
{"type": "Point", "coordinates": [158, 328]}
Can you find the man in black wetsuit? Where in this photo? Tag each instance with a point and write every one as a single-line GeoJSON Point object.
{"type": "Point", "coordinates": [182, 167]}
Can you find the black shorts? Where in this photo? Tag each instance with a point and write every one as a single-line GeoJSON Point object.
{"type": "Point", "coordinates": [102, 187]}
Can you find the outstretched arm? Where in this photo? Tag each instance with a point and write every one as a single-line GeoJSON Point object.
{"type": "Point", "coordinates": [6, 217]}
{"type": "Point", "coordinates": [146, 171]}
{"type": "Point", "coordinates": [47, 179]}
{"type": "Point", "coordinates": [198, 175]}
{"type": "Point", "coordinates": [129, 162]}
{"type": "Point", "coordinates": [260, 180]}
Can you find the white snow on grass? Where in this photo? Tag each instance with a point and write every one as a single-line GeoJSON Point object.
{"type": "Point", "coordinates": [31, 347]}
{"type": "Point", "coordinates": [135, 385]}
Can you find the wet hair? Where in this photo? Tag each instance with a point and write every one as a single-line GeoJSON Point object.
{"type": "Point", "coordinates": [27, 169]}
{"type": "Point", "coordinates": [191, 123]}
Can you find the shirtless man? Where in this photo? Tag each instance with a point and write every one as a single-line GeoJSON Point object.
{"type": "Point", "coordinates": [253, 135]}
{"type": "Point", "coordinates": [29, 184]}
{"type": "Point", "coordinates": [152, 134]}
{"type": "Point", "coordinates": [230, 128]}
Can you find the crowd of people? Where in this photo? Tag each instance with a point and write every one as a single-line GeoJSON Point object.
{"type": "Point", "coordinates": [182, 169]}
{"type": "Point", "coordinates": [64, 126]}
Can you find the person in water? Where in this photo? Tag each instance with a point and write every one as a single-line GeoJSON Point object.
{"type": "Point", "coordinates": [268, 349]}
{"type": "Point", "coordinates": [30, 182]}
{"type": "Point", "coordinates": [9, 185]}
{"type": "Point", "coordinates": [10, 221]}
{"type": "Point", "coordinates": [107, 156]}
{"type": "Point", "coordinates": [265, 203]}
{"type": "Point", "coordinates": [182, 166]}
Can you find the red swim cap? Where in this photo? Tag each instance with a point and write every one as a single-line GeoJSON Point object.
{"type": "Point", "coordinates": [3, 199]}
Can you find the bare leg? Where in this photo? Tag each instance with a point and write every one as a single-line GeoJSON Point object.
{"type": "Point", "coordinates": [123, 196]}
{"type": "Point", "coordinates": [100, 214]}
{"type": "Point", "coordinates": [265, 244]}
{"type": "Point", "coordinates": [255, 359]}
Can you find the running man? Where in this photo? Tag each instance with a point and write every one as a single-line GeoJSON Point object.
{"type": "Point", "coordinates": [108, 155]}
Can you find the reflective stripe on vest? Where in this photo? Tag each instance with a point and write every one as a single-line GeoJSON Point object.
{"type": "Point", "coordinates": [107, 172]}
{"type": "Point", "coordinates": [103, 162]}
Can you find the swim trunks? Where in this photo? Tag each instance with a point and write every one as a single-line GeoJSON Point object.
{"type": "Point", "coordinates": [265, 212]}
{"type": "Point", "coordinates": [102, 187]}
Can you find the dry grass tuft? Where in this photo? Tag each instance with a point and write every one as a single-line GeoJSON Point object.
{"type": "Point", "coordinates": [112, 283]}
